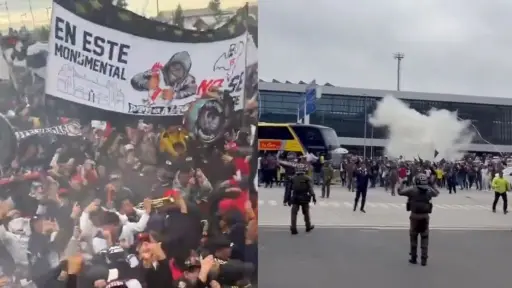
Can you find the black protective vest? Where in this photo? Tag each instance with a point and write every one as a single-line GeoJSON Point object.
{"type": "Point", "coordinates": [300, 188]}
{"type": "Point", "coordinates": [421, 203]}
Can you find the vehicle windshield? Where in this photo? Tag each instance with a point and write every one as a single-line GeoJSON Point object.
{"type": "Point", "coordinates": [331, 139]}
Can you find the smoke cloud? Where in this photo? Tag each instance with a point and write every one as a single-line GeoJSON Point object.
{"type": "Point", "coordinates": [412, 134]}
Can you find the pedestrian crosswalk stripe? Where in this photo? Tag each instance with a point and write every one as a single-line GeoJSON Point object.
{"type": "Point", "coordinates": [382, 205]}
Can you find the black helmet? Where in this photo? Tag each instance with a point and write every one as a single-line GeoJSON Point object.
{"type": "Point", "coordinates": [421, 179]}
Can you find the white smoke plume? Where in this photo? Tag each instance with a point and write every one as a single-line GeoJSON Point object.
{"type": "Point", "coordinates": [412, 134]}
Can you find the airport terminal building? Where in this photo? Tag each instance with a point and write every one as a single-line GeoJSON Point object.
{"type": "Point", "coordinates": [345, 110]}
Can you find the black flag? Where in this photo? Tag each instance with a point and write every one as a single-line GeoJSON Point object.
{"type": "Point", "coordinates": [436, 153]}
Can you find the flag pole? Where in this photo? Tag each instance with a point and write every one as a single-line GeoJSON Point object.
{"type": "Point", "coordinates": [246, 76]}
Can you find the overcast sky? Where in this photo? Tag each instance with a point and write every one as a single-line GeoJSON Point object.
{"type": "Point", "coordinates": [19, 10]}
{"type": "Point", "coordinates": [455, 46]}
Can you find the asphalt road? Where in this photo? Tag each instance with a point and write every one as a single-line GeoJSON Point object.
{"type": "Point", "coordinates": [334, 257]}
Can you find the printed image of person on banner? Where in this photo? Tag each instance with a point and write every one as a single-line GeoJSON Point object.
{"type": "Point", "coordinates": [130, 162]}
{"type": "Point", "coordinates": [168, 82]}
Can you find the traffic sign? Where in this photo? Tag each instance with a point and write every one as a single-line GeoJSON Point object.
{"type": "Point", "coordinates": [308, 101]}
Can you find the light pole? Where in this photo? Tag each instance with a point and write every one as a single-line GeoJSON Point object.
{"type": "Point", "coordinates": [372, 145]}
{"type": "Point", "coordinates": [22, 18]}
{"type": "Point", "coordinates": [398, 56]}
{"type": "Point", "coordinates": [8, 14]}
{"type": "Point", "coordinates": [32, 14]}
{"type": "Point", "coordinates": [365, 126]}
{"type": "Point", "coordinates": [48, 9]}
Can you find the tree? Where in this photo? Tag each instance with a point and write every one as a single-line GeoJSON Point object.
{"type": "Point", "coordinates": [177, 18]}
{"type": "Point", "coordinates": [42, 33]}
{"type": "Point", "coordinates": [120, 3]}
{"type": "Point", "coordinates": [214, 6]}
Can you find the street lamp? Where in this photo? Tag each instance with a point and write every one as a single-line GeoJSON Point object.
{"type": "Point", "coordinates": [22, 18]}
{"type": "Point", "coordinates": [398, 56]}
{"type": "Point", "coordinates": [32, 14]}
{"type": "Point", "coordinates": [365, 124]}
{"type": "Point", "coordinates": [4, 5]}
{"type": "Point", "coordinates": [48, 9]}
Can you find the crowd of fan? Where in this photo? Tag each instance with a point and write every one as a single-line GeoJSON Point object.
{"type": "Point", "coordinates": [470, 172]}
{"type": "Point", "coordinates": [123, 205]}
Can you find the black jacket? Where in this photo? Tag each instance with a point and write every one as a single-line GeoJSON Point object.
{"type": "Point", "coordinates": [300, 196]}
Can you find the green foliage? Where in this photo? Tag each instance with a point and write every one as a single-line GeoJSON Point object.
{"type": "Point", "coordinates": [178, 18]}
{"type": "Point", "coordinates": [120, 3]}
{"type": "Point", "coordinates": [214, 6]}
{"type": "Point", "coordinates": [42, 33]}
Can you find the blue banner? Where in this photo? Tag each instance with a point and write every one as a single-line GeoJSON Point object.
{"type": "Point", "coordinates": [310, 99]}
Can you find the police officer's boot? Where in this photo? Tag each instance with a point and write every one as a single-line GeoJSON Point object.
{"type": "Point", "coordinates": [293, 226]}
{"type": "Point", "coordinates": [413, 252]}
{"type": "Point", "coordinates": [423, 261]}
{"type": "Point", "coordinates": [307, 220]}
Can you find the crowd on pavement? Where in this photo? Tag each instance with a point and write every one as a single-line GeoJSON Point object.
{"type": "Point", "coordinates": [121, 202]}
{"type": "Point", "coordinates": [357, 174]}
{"type": "Point", "coordinates": [471, 172]}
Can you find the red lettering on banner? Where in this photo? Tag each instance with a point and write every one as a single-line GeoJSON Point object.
{"type": "Point", "coordinates": [206, 85]}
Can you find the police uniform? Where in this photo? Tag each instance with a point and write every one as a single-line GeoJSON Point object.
{"type": "Point", "coordinates": [420, 206]}
{"type": "Point", "coordinates": [299, 196]}
{"type": "Point", "coordinates": [289, 172]}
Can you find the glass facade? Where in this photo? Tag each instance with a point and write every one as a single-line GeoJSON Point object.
{"type": "Point", "coordinates": [346, 115]}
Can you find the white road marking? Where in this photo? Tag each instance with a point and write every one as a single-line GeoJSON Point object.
{"type": "Point", "coordinates": [380, 205]}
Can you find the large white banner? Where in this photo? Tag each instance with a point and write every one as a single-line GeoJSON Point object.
{"type": "Point", "coordinates": [101, 67]}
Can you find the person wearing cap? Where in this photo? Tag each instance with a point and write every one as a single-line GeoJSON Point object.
{"type": "Point", "coordinates": [328, 174]}
{"type": "Point", "coordinates": [299, 197]}
{"type": "Point", "coordinates": [164, 183]}
{"type": "Point", "coordinates": [197, 273]}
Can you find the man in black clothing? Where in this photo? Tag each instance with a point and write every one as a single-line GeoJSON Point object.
{"type": "Point", "coordinates": [374, 172]}
{"type": "Point", "coordinates": [362, 177]}
{"type": "Point", "coordinates": [317, 172]}
{"type": "Point", "coordinates": [299, 196]}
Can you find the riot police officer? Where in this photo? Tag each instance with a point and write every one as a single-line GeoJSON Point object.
{"type": "Point", "coordinates": [419, 203]}
{"type": "Point", "coordinates": [289, 170]}
{"type": "Point", "coordinates": [299, 197]}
